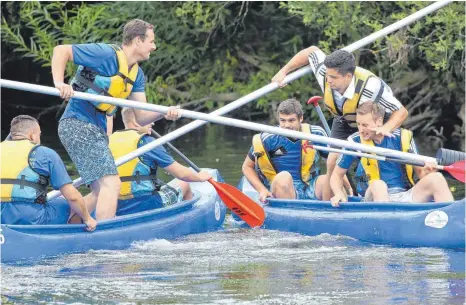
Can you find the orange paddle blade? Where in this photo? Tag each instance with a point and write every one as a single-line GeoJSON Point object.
{"type": "Point", "coordinates": [240, 204]}
{"type": "Point", "coordinates": [456, 170]}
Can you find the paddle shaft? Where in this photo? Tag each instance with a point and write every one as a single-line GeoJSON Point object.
{"type": "Point", "coordinates": [273, 86]}
{"type": "Point", "coordinates": [322, 118]}
{"type": "Point", "coordinates": [315, 101]}
{"type": "Point", "coordinates": [214, 119]}
{"type": "Point", "coordinates": [370, 156]}
{"type": "Point", "coordinates": [456, 170]}
{"type": "Point", "coordinates": [194, 166]}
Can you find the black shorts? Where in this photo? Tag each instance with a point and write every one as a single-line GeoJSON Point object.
{"type": "Point", "coordinates": [341, 129]}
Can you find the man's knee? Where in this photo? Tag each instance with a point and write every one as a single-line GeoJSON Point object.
{"type": "Point", "coordinates": [185, 188]}
{"type": "Point", "coordinates": [110, 182]}
{"type": "Point", "coordinates": [331, 161]}
{"type": "Point", "coordinates": [283, 179]}
{"type": "Point", "coordinates": [435, 179]}
{"type": "Point", "coordinates": [377, 185]}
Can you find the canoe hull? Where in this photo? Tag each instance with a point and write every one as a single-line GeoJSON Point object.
{"type": "Point", "coordinates": [206, 212]}
{"type": "Point", "coordinates": [410, 225]}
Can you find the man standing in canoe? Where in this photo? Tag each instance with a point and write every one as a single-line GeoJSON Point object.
{"type": "Point", "coordinates": [388, 181]}
{"type": "Point", "coordinates": [280, 167]}
{"type": "Point", "coordinates": [346, 86]}
{"type": "Point", "coordinates": [109, 70]}
{"type": "Point", "coordinates": [27, 170]}
{"type": "Point", "coordinates": [140, 188]}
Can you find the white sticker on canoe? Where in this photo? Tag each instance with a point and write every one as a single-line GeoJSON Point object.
{"type": "Point", "coordinates": [436, 219]}
{"type": "Point", "coordinates": [217, 211]}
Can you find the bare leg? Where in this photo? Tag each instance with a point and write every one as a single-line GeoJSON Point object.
{"type": "Point", "coordinates": [90, 200]}
{"type": "Point", "coordinates": [321, 185]}
{"type": "Point", "coordinates": [282, 186]}
{"type": "Point", "coordinates": [432, 186]}
{"type": "Point", "coordinates": [331, 162]}
{"type": "Point", "coordinates": [107, 199]}
{"type": "Point", "coordinates": [377, 191]}
{"type": "Point", "coordinates": [186, 189]}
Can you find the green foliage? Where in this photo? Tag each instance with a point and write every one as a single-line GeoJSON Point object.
{"type": "Point", "coordinates": [211, 53]}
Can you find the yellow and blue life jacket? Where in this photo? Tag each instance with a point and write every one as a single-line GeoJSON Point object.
{"type": "Point", "coordinates": [118, 85]}
{"type": "Point", "coordinates": [286, 156]}
{"type": "Point", "coordinates": [19, 181]}
{"type": "Point", "coordinates": [138, 178]}
{"type": "Point", "coordinates": [368, 169]}
{"type": "Point", "coordinates": [350, 105]}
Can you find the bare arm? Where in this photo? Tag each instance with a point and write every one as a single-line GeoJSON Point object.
{"type": "Point", "coordinates": [396, 119]}
{"type": "Point", "coordinates": [62, 54]}
{"type": "Point", "coordinates": [76, 202]}
{"type": "Point", "coordinates": [185, 174]}
{"type": "Point", "coordinates": [110, 125]}
{"type": "Point", "coordinates": [429, 167]}
{"type": "Point", "coordinates": [299, 60]}
{"type": "Point", "coordinates": [250, 173]}
{"type": "Point", "coordinates": [336, 183]}
{"type": "Point", "coordinates": [144, 117]}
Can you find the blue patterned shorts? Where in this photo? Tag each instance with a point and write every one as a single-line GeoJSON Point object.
{"type": "Point", "coordinates": [304, 191]}
{"type": "Point", "coordinates": [87, 147]}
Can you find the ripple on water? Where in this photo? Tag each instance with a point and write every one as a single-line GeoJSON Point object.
{"type": "Point", "coordinates": [243, 266]}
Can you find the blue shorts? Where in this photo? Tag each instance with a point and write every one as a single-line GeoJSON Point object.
{"type": "Point", "coordinates": [56, 211]}
{"type": "Point", "coordinates": [165, 197]}
{"type": "Point", "coordinates": [87, 146]}
{"type": "Point", "coordinates": [304, 191]}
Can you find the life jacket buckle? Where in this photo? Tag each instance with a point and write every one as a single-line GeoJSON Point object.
{"type": "Point", "coordinates": [307, 146]}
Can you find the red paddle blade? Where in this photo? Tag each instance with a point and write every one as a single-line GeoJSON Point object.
{"type": "Point", "coordinates": [456, 170]}
{"type": "Point", "coordinates": [240, 204]}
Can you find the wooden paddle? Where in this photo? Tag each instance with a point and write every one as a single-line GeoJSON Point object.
{"type": "Point", "coordinates": [240, 204]}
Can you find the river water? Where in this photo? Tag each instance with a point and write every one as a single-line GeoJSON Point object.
{"type": "Point", "coordinates": [240, 266]}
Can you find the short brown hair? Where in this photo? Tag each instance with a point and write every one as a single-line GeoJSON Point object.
{"type": "Point", "coordinates": [371, 107]}
{"type": "Point", "coordinates": [135, 28]}
{"type": "Point", "coordinates": [290, 106]}
{"type": "Point", "coordinates": [127, 115]}
{"type": "Point", "coordinates": [21, 124]}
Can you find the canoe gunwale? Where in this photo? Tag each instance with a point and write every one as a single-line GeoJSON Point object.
{"type": "Point", "coordinates": [297, 204]}
{"type": "Point", "coordinates": [120, 221]}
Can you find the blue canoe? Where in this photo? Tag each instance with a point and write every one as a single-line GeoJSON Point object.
{"type": "Point", "coordinates": [205, 212]}
{"type": "Point", "coordinates": [400, 224]}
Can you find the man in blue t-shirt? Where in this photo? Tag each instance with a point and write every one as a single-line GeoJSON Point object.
{"type": "Point", "coordinates": [280, 167]}
{"type": "Point", "coordinates": [27, 170]}
{"type": "Point", "coordinates": [141, 190]}
{"type": "Point", "coordinates": [107, 70]}
{"type": "Point", "coordinates": [389, 181]}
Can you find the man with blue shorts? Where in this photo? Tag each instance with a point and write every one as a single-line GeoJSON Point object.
{"type": "Point", "coordinates": [140, 189]}
{"type": "Point", "coordinates": [108, 70]}
{"type": "Point", "coordinates": [388, 181]}
{"type": "Point", "coordinates": [280, 167]}
{"type": "Point", "coordinates": [27, 170]}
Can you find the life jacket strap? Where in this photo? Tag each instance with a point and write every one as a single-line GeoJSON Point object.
{"type": "Point", "coordinates": [91, 85]}
{"type": "Point", "coordinates": [23, 182]}
{"type": "Point", "coordinates": [138, 178]}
